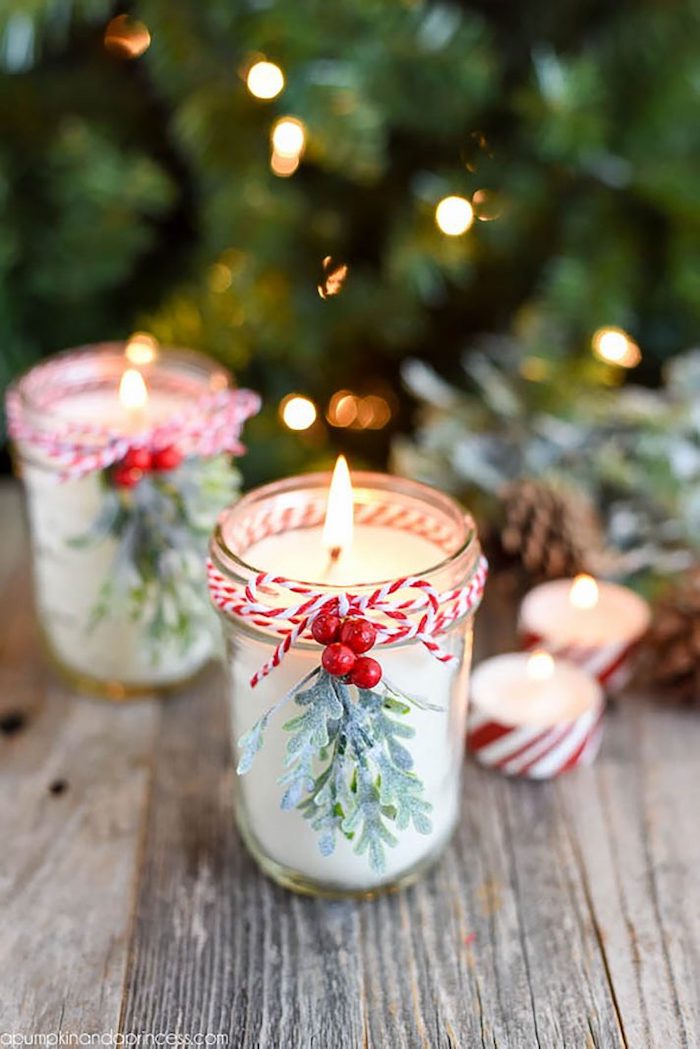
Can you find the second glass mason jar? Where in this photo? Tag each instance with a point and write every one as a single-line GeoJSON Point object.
{"type": "Point", "coordinates": [346, 791]}
{"type": "Point", "coordinates": [124, 455]}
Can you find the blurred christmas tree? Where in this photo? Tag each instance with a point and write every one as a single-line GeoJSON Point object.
{"type": "Point", "coordinates": [142, 189]}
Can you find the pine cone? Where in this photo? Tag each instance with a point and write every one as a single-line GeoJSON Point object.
{"type": "Point", "coordinates": [672, 645]}
{"type": "Point", "coordinates": [553, 530]}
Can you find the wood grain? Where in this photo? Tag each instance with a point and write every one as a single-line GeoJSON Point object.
{"type": "Point", "coordinates": [565, 915]}
{"type": "Point", "coordinates": [73, 781]}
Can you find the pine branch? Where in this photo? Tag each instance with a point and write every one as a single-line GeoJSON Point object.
{"type": "Point", "coordinates": [347, 769]}
{"type": "Point", "coordinates": [160, 529]}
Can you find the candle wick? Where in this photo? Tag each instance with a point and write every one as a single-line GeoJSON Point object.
{"type": "Point", "coordinates": [333, 556]}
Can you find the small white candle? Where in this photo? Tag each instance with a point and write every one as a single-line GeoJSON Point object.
{"type": "Point", "coordinates": [595, 624]}
{"type": "Point", "coordinates": [523, 688]}
{"type": "Point", "coordinates": [533, 714]}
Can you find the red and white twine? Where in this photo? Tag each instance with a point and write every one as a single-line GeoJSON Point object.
{"type": "Point", "coordinates": [421, 617]}
{"type": "Point", "coordinates": [210, 425]}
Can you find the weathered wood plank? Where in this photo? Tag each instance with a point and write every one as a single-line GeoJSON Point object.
{"type": "Point", "coordinates": [73, 781]}
{"type": "Point", "coordinates": [218, 948]}
{"type": "Point", "coordinates": [564, 914]}
{"type": "Point", "coordinates": [637, 834]}
{"type": "Point", "coordinates": [495, 948]}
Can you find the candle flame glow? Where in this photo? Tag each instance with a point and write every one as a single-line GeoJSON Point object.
{"type": "Point", "coordinates": [338, 526]}
{"type": "Point", "coordinates": [540, 666]}
{"type": "Point", "coordinates": [133, 393]}
{"type": "Point", "coordinates": [584, 592]}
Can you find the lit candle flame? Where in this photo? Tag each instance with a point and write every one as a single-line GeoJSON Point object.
{"type": "Point", "coordinates": [338, 526]}
{"type": "Point", "coordinates": [584, 592]}
{"type": "Point", "coordinates": [133, 393]}
{"type": "Point", "coordinates": [540, 666]}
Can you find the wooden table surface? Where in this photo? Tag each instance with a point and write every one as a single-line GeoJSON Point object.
{"type": "Point", "coordinates": [564, 915]}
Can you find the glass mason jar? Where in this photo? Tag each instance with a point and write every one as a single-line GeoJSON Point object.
{"type": "Point", "coordinates": [121, 500]}
{"type": "Point", "coordinates": [329, 827]}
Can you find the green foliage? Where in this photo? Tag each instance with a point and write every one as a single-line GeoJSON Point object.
{"type": "Point", "coordinates": [160, 530]}
{"type": "Point", "coordinates": [139, 194]}
{"type": "Point", "coordinates": [635, 452]}
{"type": "Point", "coordinates": [347, 770]}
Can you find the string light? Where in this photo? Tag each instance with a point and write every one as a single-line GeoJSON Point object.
{"type": "Point", "coordinates": [347, 410]}
{"type": "Point", "coordinates": [288, 137]}
{"type": "Point", "coordinates": [126, 37]}
{"type": "Point", "coordinates": [615, 346]}
{"type": "Point", "coordinates": [454, 215]}
{"type": "Point", "coordinates": [141, 348]}
{"type": "Point", "coordinates": [486, 205]}
{"type": "Point", "coordinates": [297, 412]}
{"type": "Point", "coordinates": [265, 80]}
{"type": "Point", "coordinates": [283, 167]}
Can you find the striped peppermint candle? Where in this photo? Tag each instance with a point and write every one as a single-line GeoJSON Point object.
{"type": "Point", "coordinates": [534, 716]}
{"type": "Point", "coordinates": [596, 625]}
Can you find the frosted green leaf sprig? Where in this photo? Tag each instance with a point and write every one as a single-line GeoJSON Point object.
{"type": "Point", "coordinates": [347, 769]}
{"type": "Point", "coordinates": [159, 526]}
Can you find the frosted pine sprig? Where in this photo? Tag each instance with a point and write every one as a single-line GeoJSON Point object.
{"type": "Point", "coordinates": [347, 769]}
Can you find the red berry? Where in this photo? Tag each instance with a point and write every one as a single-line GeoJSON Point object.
{"type": "Point", "coordinates": [127, 476]}
{"type": "Point", "coordinates": [366, 673]}
{"type": "Point", "coordinates": [137, 459]}
{"type": "Point", "coordinates": [338, 659]}
{"type": "Point", "coordinates": [324, 629]}
{"type": "Point", "coordinates": [358, 634]}
{"type": "Point", "coordinates": [167, 458]}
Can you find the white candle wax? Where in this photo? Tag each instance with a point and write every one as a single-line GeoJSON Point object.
{"type": "Point", "coordinates": [617, 616]}
{"type": "Point", "coordinates": [505, 688]}
{"type": "Point", "coordinates": [377, 554]}
{"type": "Point", "coordinates": [68, 578]}
{"type": "Point", "coordinates": [104, 408]}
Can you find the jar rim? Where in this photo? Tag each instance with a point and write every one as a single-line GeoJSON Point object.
{"type": "Point", "coordinates": [232, 563]}
{"type": "Point", "coordinates": [40, 389]}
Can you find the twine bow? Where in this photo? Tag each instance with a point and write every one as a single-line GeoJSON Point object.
{"type": "Point", "coordinates": [422, 617]}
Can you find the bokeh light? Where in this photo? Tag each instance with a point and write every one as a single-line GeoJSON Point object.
{"type": "Point", "coordinates": [487, 205]}
{"type": "Point", "coordinates": [126, 37]}
{"type": "Point", "coordinates": [297, 412]}
{"type": "Point", "coordinates": [220, 277]}
{"type": "Point", "coordinates": [283, 167]}
{"type": "Point", "coordinates": [347, 410]}
{"type": "Point", "coordinates": [141, 348]}
{"type": "Point", "coordinates": [615, 346]}
{"type": "Point", "coordinates": [265, 80]}
{"type": "Point", "coordinates": [288, 137]}
{"type": "Point", "coordinates": [454, 215]}
{"type": "Point", "coordinates": [334, 274]}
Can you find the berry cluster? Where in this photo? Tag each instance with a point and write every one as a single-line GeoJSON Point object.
{"type": "Point", "coordinates": [139, 461]}
{"type": "Point", "coordinates": [345, 644]}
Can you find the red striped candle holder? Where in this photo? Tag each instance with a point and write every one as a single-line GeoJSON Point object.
{"type": "Point", "coordinates": [534, 716]}
{"type": "Point", "coordinates": [596, 625]}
